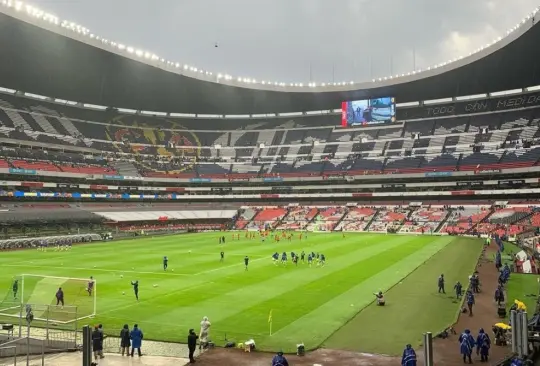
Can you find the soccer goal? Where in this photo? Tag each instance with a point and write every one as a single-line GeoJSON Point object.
{"type": "Point", "coordinates": [39, 292]}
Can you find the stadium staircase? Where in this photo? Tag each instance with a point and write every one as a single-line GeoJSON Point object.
{"type": "Point", "coordinates": [502, 156]}
{"type": "Point", "coordinates": [313, 218]}
{"type": "Point", "coordinates": [126, 168]}
{"type": "Point", "coordinates": [341, 218]}
{"type": "Point", "coordinates": [443, 221]}
{"type": "Point", "coordinates": [483, 221]}
{"type": "Point", "coordinates": [278, 223]}
{"type": "Point", "coordinates": [372, 220]}
{"type": "Point", "coordinates": [459, 161]}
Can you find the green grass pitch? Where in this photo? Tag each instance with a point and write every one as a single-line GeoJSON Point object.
{"type": "Point", "coordinates": [330, 306]}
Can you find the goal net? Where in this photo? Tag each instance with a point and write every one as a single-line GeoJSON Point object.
{"type": "Point", "coordinates": [40, 293]}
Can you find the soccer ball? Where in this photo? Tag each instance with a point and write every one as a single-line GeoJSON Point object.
{"type": "Point", "coordinates": [86, 289]}
{"type": "Point", "coordinates": [123, 293]}
{"type": "Point", "coordinates": [172, 270]}
{"type": "Point", "coordinates": [189, 251]}
{"type": "Point", "coordinates": [121, 276]}
{"type": "Point", "coordinates": [133, 268]}
{"type": "Point", "coordinates": [155, 285]}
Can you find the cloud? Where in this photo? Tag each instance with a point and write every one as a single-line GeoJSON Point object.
{"type": "Point", "coordinates": [295, 40]}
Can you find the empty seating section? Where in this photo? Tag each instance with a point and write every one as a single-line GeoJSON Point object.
{"type": "Point", "coordinates": [244, 221]}
{"type": "Point", "coordinates": [299, 146]}
{"type": "Point", "coordinates": [35, 165]}
{"type": "Point", "coordinates": [465, 218]}
{"type": "Point", "coordinates": [357, 219]}
{"type": "Point", "coordinates": [389, 218]}
{"type": "Point", "coordinates": [424, 220]}
{"type": "Point", "coordinates": [166, 215]}
{"type": "Point", "coordinates": [327, 218]}
{"type": "Point", "coordinates": [482, 219]}
{"type": "Point", "coordinates": [301, 213]}
{"type": "Point", "coordinates": [269, 215]}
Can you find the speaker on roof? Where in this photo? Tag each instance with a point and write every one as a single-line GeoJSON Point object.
{"type": "Point", "coordinates": [416, 136]}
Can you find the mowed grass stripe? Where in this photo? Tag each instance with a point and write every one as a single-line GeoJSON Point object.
{"type": "Point", "coordinates": [413, 307]}
{"type": "Point", "coordinates": [331, 315]}
{"type": "Point", "coordinates": [322, 307]}
{"type": "Point", "coordinates": [247, 296]}
{"type": "Point", "coordinates": [225, 290]}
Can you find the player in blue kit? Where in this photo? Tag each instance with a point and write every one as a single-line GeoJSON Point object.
{"type": "Point", "coordinates": [275, 258]}
{"type": "Point", "coordinates": [309, 259]}
{"type": "Point", "coordinates": [302, 256]}
{"type": "Point", "coordinates": [246, 262]}
{"type": "Point", "coordinates": [322, 261]}
{"type": "Point", "coordinates": [165, 263]}
{"type": "Point", "coordinates": [222, 256]}
{"type": "Point", "coordinates": [284, 258]}
{"type": "Point", "coordinates": [295, 260]}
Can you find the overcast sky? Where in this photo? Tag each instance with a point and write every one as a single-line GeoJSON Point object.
{"type": "Point", "coordinates": [282, 40]}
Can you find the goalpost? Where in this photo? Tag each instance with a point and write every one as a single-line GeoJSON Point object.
{"type": "Point", "coordinates": [39, 292]}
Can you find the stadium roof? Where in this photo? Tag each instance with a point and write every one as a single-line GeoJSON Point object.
{"type": "Point", "coordinates": [51, 61]}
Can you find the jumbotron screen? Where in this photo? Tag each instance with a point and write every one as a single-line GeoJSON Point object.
{"type": "Point", "coordinates": [368, 112]}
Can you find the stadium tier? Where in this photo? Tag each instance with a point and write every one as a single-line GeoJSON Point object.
{"type": "Point", "coordinates": [75, 140]}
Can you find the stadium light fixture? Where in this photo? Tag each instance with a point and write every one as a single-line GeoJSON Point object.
{"type": "Point", "coordinates": [35, 12]}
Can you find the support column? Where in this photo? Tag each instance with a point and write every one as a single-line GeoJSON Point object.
{"type": "Point", "coordinates": [87, 345]}
{"type": "Point", "coordinates": [428, 349]}
{"type": "Point", "coordinates": [524, 333]}
{"type": "Point", "coordinates": [515, 334]}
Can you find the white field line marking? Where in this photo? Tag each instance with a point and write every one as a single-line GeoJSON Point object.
{"type": "Point", "coordinates": [120, 271]}
{"type": "Point", "coordinates": [230, 266]}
